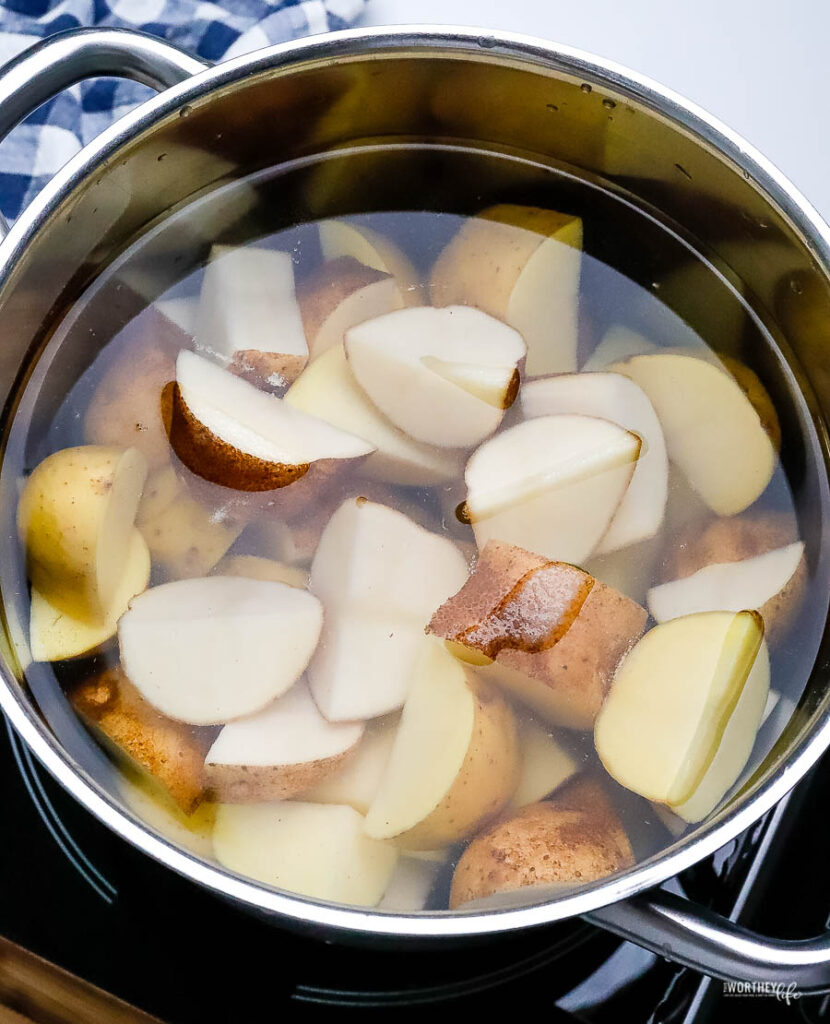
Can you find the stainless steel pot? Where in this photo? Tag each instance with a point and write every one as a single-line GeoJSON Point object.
{"type": "Point", "coordinates": [295, 100]}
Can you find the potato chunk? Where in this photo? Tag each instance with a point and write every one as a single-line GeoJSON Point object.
{"type": "Point", "coordinates": [171, 752]}
{"type": "Point", "coordinates": [546, 631]}
{"type": "Point", "coordinates": [568, 841]}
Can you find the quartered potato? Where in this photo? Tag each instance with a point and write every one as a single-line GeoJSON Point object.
{"type": "Point", "coordinates": [681, 717]}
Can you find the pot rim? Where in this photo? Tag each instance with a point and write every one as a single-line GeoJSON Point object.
{"type": "Point", "coordinates": [814, 233]}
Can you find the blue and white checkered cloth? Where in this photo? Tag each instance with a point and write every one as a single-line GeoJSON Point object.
{"type": "Point", "coordinates": [212, 31]}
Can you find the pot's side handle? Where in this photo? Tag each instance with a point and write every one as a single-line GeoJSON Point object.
{"type": "Point", "coordinates": [42, 71]}
{"type": "Point", "coordinates": [693, 935]}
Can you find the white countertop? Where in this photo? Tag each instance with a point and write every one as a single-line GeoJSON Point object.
{"type": "Point", "coordinates": [762, 66]}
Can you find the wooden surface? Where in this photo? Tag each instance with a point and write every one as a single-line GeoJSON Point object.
{"type": "Point", "coordinates": [34, 991]}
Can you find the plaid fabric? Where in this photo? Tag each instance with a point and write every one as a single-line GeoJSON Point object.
{"type": "Point", "coordinates": [213, 31]}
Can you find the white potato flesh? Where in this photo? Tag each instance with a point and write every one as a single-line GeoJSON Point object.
{"type": "Point", "coordinates": [550, 485]}
{"type": "Point", "coordinates": [727, 586]}
{"type": "Point", "coordinates": [256, 423]}
{"type": "Point", "coordinates": [713, 433]}
{"type": "Point", "coordinates": [211, 649]}
{"type": "Point", "coordinates": [430, 746]}
{"type": "Point", "coordinates": [683, 711]}
{"type": "Point", "coordinates": [55, 634]}
{"type": "Point", "coordinates": [393, 359]}
{"type": "Point", "coordinates": [316, 850]}
{"type": "Point", "coordinates": [247, 303]}
{"type": "Point", "coordinates": [327, 389]}
{"type": "Point", "coordinates": [289, 731]}
{"type": "Point", "coordinates": [356, 782]}
{"type": "Point", "coordinates": [380, 577]}
{"type": "Point", "coordinates": [614, 397]}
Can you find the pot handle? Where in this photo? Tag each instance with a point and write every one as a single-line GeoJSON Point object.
{"type": "Point", "coordinates": [681, 930]}
{"type": "Point", "coordinates": [43, 70]}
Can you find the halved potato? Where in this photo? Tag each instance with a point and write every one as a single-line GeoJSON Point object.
{"type": "Point", "coordinates": [248, 314]}
{"type": "Point", "coordinates": [443, 376]}
{"type": "Point", "coordinates": [55, 634]}
{"type": "Point", "coordinates": [216, 648]}
{"type": "Point", "coordinates": [712, 431]}
{"type": "Point", "coordinates": [126, 408]}
{"type": "Point", "coordinates": [618, 343]}
{"type": "Point", "coordinates": [455, 761]}
{"type": "Point", "coordinates": [171, 752]}
{"type": "Point", "coordinates": [612, 396]}
{"type": "Point", "coordinates": [546, 631]}
{"type": "Point", "coordinates": [278, 753]}
{"type": "Point", "coordinates": [551, 484]}
{"type": "Point", "coordinates": [681, 717]}
{"type": "Point", "coordinates": [340, 294]}
{"type": "Point", "coordinates": [520, 264]}
{"type": "Point", "coordinates": [574, 838]}
{"type": "Point", "coordinates": [316, 850]}
{"type": "Point", "coordinates": [75, 517]}
{"type": "Point", "coordinates": [230, 433]}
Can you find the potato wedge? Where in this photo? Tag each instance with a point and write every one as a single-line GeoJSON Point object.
{"type": "Point", "coordinates": [769, 570]}
{"type": "Point", "coordinates": [574, 838]}
{"type": "Point", "coordinates": [171, 752]}
{"type": "Point", "coordinates": [680, 720]}
{"type": "Point", "coordinates": [455, 761]}
{"type": "Point", "coordinates": [278, 753]}
{"type": "Point", "coordinates": [55, 634]}
{"type": "Point", "coordinates": [547, 632]}
{"type": "Point", "coordinates": [75, 517]}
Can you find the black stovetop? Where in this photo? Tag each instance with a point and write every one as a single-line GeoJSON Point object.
{"type": "Point", "coordinates": [79, 896]}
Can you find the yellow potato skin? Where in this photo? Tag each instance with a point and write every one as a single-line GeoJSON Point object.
{"type": "Point", "coordinates": [485, 782]}
{"type": "Point", "coordinates": [60, 517]}
{"type": "Point", "coordinates": [482, 263]}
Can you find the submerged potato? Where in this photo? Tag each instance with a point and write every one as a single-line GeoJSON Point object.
{"type": "Point", "coordinates": [171, 752]}
{"type": "Point", "coordinates": [574, 838]}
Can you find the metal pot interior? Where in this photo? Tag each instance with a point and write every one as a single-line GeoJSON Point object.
{"type": "Point", "coordinates": [511, 100]}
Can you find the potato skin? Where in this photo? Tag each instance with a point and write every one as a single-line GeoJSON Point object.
{"type": "Point", "coordinates": [565, 681]}
{"type": "Point", "coordinates": [734, 539]}
{"type": "Point", "coordinates": [487, 779]}
{"type": "Point", "coordinates": [251, 784]}
{"type": "Point", "coordinates": [575, 837]}
{"type": "Point", "coordinates": [171, 752]}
